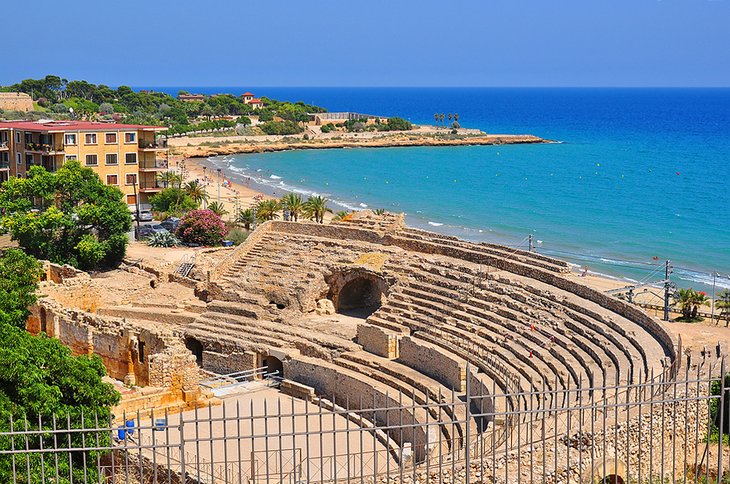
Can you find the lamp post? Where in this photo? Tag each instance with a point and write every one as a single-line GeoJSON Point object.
{"type": "Point", "coordinates": [219, 186]}
{"type": "Point", "coordinates": [205, 188]}
{"type": "Point", "coordinates": [714, 276]}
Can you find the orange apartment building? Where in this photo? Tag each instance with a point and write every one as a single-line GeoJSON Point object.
{"type": "Point", "coordinates": [126, 155]}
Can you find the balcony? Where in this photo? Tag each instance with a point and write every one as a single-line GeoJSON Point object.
{"type": "Point", "coordinates": [150, 186]}
{"type": "Point", "coordinates": [153, 165]}
{"type": "Point", "coordinates": [4, 165]}
{"type": "Point", "coordinates": [4, 145]}
{"type": "Point", "coordinates": [160, 144]}
{"type": "Point", "coordinates": [43, 148]}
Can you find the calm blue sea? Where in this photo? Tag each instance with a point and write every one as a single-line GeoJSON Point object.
{"type": "Point", "coordinates": [638, 173]}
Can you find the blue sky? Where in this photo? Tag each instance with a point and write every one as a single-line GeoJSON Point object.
{"type": "Point", "coordinates": [371, 43]}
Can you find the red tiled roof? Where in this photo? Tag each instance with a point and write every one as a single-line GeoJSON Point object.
{"type": "Point", "coordinates": [255, 101]}
{"type": "Point", "coordinates": [247, 94]}
{"type": "Point", "coordinates": [60, 126]}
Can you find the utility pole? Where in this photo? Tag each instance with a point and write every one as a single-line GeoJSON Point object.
{"type": "Point", "coordinates": [667, 272]}
{"type": "Point", "coordinates": [529, 243]}
{"type": "Point", "coordinates": [205, 187]}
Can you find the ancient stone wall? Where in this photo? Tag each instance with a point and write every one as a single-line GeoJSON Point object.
{"type": "Point", "coordinates": [377, 340]}
{"type": "Point", "coordinates": [430, 360]}
{"type": "Point", "coordinates": [356, 390]}
{"type": "Point", "coordinates": [229, 363]}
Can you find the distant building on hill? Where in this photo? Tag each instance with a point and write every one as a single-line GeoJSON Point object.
{"type": "Point", "coordinates": [16, 101]}
{"type": "Point", "coordinates": [188, 98]}
{"type": "Point", "coordinates": [341, 117]}
{"type": "Point", "coordinates": [125, 155]}
{"type": "Point", "coordinates": [248, 98]}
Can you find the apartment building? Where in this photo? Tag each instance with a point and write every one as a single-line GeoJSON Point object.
{"type": "Point", "coordinates": [126, 155]}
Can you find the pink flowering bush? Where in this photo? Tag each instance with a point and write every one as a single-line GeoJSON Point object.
{"type": "Point", "coordinates": [202, 227]}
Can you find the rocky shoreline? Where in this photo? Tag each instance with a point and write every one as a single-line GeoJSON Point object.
{"type": "Point", "coordinates": [188, 148]}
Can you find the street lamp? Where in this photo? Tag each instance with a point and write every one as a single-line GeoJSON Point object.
{"type": "Point", "coordinates": [714, 276]}
{"type": "Point", "coordinates": [205, 188]}
{"type": "Point", "coordinates": [219, 186]}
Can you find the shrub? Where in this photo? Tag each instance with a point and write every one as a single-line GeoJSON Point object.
{"type": "Point", "coordinates": [173, 200]}
{"type": "Point", "coordinates": [328, 128]}
{"type": "Point", "coordinates": [237, 236]}
{"type": "Point", "coordinates": [281, 127]}
{"type": "Point", "coordinates": [202, 227]}
{"type": "Point", "coordinates": [162, 239]}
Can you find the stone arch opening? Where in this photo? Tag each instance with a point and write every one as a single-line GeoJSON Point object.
{"type": "Point", "coordinates": [196, 348]}
{"type": "Point", "coordinates": [612, 479]}
{"type": "Point", "coordinates": [273, 366]}
{"type": "Point", "coordinates": [358, 293]}
{"type": "Point", "coordinates": [44, 320]}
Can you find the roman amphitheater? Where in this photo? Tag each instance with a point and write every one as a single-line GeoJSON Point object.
{"type": "Point", "coordinates": [432, 356]}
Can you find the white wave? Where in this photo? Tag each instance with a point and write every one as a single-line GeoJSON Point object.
{"type": "Point", "coordinates": [435, 224]}
{"type": "Point", "coordinates": [274, 177]}
{"type": "Point", "coordinates": [703, 278]}
{"type": "Point", "coordinates": [364, 205]}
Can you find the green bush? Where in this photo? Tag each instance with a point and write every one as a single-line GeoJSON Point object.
{"type": "Point", "coordinates": [237, 236]}
{"type": "Point", "coordinates": [162, 239]}
{"type": "Point", "coordinates": [172, 200]}
{"type": "Point", "coordinates": [281, 127]}
{"type": "Point", "coordinates": [328, 128]}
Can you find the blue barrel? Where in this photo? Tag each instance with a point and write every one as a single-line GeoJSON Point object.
{"type": "Point", "coordinates": [130, 426]}
{"type": "Point", "coordinates": [122, 433]}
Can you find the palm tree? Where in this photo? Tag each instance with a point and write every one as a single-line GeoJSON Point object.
{"type": "Point", "coordinates": [450, 116]}
{"type": "Point", "coordinates": [456, 117]}
{"type": "Point", "coordinates": [217, 208]}
{"type": "Point", "coordinates": [689, 302]}
{"type": "Point", "coordinates": [339, 216]}
{"type": "Point", "coordinates": [441, 117]}
{"type": "Point", "coordinates": [268, 209]}
{"type": "Point", "coordinates": [316, 207]}
{"type": "Point", "coordinates": [379, 211]}
{"type": "Point", "coordinates": [723, 302]}
{"type": "Point", "coordinates": [196, 191]}
{"type": "Point", "coordinates": [436, 118]}
{"type": "Point", "coordinates": [169, 178]}
{"type": "Point", "coordinates": [294, 203]}
{"type": "Point", "coordinates": [245, 217]}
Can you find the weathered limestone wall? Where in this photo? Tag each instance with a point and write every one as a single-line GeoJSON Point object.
{"type": "Point", "coordinates": [355, 389]}
{"type": "Point", "coordinates": [240, 251]}
{"type": "Point", "coordinates": [16, 101]}
{"type": "Point", "coordinates": [431, 360]}
{"type": "Point", "coordinates": [229, 363]}
{"type": "Point", "coordinates": [377, 340]}
{"type": "Point", "coordinates": [480, 393]}
{"type": "Point", "coordinates": [131, 354]}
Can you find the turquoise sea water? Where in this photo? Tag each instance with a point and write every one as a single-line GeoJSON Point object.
{"type": "Point", "coordinates": [638, 173]}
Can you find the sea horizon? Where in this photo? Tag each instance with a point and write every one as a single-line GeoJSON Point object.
{"type": "Point", "coordinates": [637, 175]}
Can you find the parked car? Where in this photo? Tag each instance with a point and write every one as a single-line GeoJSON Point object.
{"type": "Point", "coordinates": [145, 216]}
{"type": "Point", "coordinates": [147, 230]}
{"type": "Point", "coordinates": [171, 223]}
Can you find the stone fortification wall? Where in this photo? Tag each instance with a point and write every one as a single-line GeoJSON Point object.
{"type": "Point", "coordinates": [240, 251]}
{"type": "Point", "coordinates": [430, 360]}
{"type": "Point", "coordinates": [340, 386]}
{"type": "Point", "coordinates": [16, 101]}
{"type": "Point", "coordinates": [378, 341]}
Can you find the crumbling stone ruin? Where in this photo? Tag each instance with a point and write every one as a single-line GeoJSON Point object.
{"type": "Point", "coordinates": [369, 309]}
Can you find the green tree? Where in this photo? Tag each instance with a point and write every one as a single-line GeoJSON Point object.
{"type": "Point", "coordinates": [173, 200]}
{"type": "Point", "coordinates": [217, 208]}
{"type": "Point", "coordinates": [196, 191]}
{"type": "Point", "coordinates": [169, 178]}
{"type": "Point", "coordinates": [339, 216]}
{"type": "Point", "coordinates": [67, 217]}
{"type": "Point", "coordinates": [294, 203]}
{"type": "Point", "coordinates": [723, 303]}
{"type": "Point", "coordinates": [689, 302]}
{"type": "Point", "coordinates": [268, 209]}
{"type": "Point", "coordinates": [245, 218]}
{"type": "Point", "coordinates": [436, 118]}
{"type": "Point", "coordinates": [20, 274]}
{"type": "Point", "coordinates": [40, 380]}
{"type": "Point", "coordinates": [315, 208]}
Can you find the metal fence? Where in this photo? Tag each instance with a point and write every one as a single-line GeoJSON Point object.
{"type": "Point", "coordinates": [653, 431]}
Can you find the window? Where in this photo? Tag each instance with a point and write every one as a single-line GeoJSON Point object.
{"type": "Point", "coordinates": [112, 180]}
{"type": "Point", "coordinates": [131, 200]}
{"type": "Point", "coordinates": [90, 138]}
{"type": "Point", "coordinates": [130, 158]}
{"type": "Point", "coordinates": [19, 158]}
{"type": "Point", "coordinates": [70, 139]}
{"type": "Point", "coordinates": [131, 179]}
{"type": "Point", "coordinates": [110, 138]}
{"type": "Point", "coordinates": [130, 137]}
{"type": "Point", "coordinates": [71, 158]}
{"type": "Point", "coordinates": [17, 137]}
{"type": "Point", "coordinates": [92, 160]}
{"type": "Point", "coordinates": [111, 159]}
{"type": "Point", "coordinates": [28, 159]}
{"type": "Point", "coordinates": [28, 138]}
